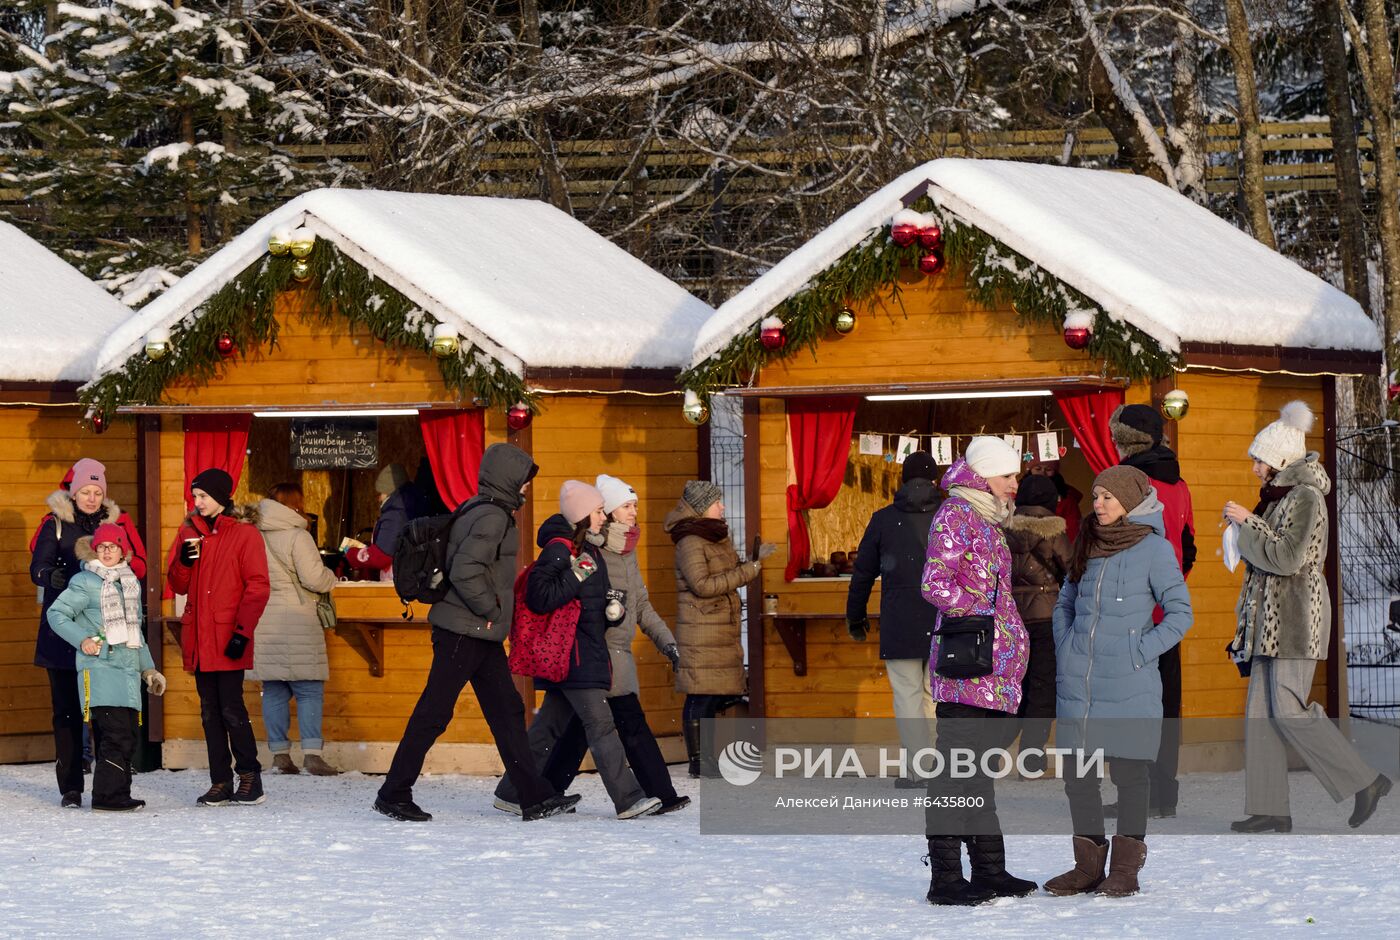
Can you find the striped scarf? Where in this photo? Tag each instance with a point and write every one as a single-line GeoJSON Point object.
{"type": "Point", "coordinates": [121, 604]}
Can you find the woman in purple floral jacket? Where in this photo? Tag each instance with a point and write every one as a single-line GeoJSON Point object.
{"type": "Point", "coordinates": [968, 573]}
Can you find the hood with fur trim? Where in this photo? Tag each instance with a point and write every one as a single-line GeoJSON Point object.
{"type": "Point", "coordinates": [1037, 522]}
{"type": "Point", "coordinates": [61, 504]}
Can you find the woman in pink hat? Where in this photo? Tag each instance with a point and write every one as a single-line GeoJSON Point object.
{"type": "Point", "coordinates": [75, 511]}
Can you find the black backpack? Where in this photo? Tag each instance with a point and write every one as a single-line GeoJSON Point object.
{"type": "Point", "coordinates": [420, 557]}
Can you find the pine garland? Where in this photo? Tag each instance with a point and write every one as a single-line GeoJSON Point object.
{"type": "Point", "coordinates": [243, 308]}
{"type": "Point", "coordinates": [996, 277]}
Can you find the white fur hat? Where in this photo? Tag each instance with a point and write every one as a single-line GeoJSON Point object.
{"type": "Point", "coordinates": [991, 457]}
{"type": "Point", "coordinates": [1284, 441]}
{"type": "Point", "coordinates": [615, 492]}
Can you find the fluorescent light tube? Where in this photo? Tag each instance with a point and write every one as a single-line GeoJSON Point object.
{"type": "Point", "coordinates": [354, 413]}
{"type": "Point", "coordinates": [946, 396]}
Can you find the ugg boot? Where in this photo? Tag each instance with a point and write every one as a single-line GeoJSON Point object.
{"type": "Point", "coordinates": [1129, 855]}
{"type": "Point", "coordinates": [988, 855]}
{"type": "Point", "coordinates": [691, 731]}
{"type": "Point", "coordinates": [947, 884]}
{"type": "Point", "coordinates": [1089, 860]}
{"type": "Point", "coordinates": [282, 763]}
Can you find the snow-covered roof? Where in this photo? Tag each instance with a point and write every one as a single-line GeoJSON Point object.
{"type": "Point", "coordinates": [527, 283]}
{"type": "Point", "coordinates": [53, 319]}
{"type": "Point", "coordinates": [1149, 256]}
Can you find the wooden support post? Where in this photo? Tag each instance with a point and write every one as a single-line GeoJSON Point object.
{"type": "Point", "coordinates": [753, 518]}
{"type": "Point", "coordinates": [1331, 567]}
{"type": "Point", "coordinates": [148, 484]}
{"type": "Point", "coordinates": [525, 527]}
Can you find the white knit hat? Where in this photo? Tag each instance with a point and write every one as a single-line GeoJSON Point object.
{"type": "Point", "coordinates": [991, 457]}
{"type": "Point", "coordinates": [1284, 441]}
{"type": "Point", "coordinates": [615, 492]}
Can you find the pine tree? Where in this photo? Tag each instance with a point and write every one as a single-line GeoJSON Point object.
{"type": "Point", "coordinates": [148, 133]}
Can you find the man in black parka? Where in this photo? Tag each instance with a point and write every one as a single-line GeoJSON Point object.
{"type": "Point", "coordinates": [894, 548]}
{"type": "Point", "coordinates": [469, 627]}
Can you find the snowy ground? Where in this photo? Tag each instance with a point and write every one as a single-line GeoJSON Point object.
{"type": "Point", "coordinates": [316, 859]}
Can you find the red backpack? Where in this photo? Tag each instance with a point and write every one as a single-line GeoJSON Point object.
{"type": "Point", "coordinates": [541, 645]}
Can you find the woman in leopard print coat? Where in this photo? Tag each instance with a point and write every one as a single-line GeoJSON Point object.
{"type": "Point", "coordinates": [1284, 624]}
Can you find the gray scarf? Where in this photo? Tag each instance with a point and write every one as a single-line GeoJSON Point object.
{"type": "Point", "coordinates": [121, 604]}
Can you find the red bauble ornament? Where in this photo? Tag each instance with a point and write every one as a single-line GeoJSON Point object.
{"type": "Point", "coordinates": [1077, 337]}
{"type": "Point", "coordinates": [931, 263]}
{"type": "Point", "coordinates": [773, 338]}
{"type": "Point", "coordinates": [931, 237]}
{"type": "Point", "coordinates": [518, 418]}
{"type": "Point", "coordinates": [99, 423]}
{"type": "Point", "coordinates": [225, 345]}
{"type": "Point", "coordinates": [904, 234]}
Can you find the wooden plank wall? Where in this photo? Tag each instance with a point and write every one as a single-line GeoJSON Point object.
{"type": "Point", "coordinates": [38, 446]}
{"type": "Point", "coordinates": [646, 442]}
{"type": "Point", "coordinates": [938, 334]}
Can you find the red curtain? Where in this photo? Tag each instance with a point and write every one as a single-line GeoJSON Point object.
{"type": "Point", "coordinates": [454, 441]}
{"type": "Point", "coordinates": [821, 446]}
{"type": "Point", "coordinates": [1088, 414]}
{"type": "Point", "coordinates": [215, 442]}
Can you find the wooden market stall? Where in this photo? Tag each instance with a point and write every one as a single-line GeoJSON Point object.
{"type": "Point", "coordinates": [975, 297]}
{"type": "Point", "coordinates": [52, 322]}
{"type": "Point", "coordinates": [363, 328]}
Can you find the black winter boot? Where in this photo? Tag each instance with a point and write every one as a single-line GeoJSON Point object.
{"type": "Point", "coordinates": [947, 885]}
{"type": "Point", "coordinates": [691, 731]}
{"type": "Point", "coordinates": [988, 855]}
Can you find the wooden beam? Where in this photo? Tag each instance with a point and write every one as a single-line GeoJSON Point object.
{"type": "Point", "coordinates": [931, 388]}
{"type": "Point", "coordinates": [753, 516]}
{"type": "Point", "coordinates": [330, 408]}
{"type": "Point", "coordinates": [1231, 357]}
{"type": "Point", "coordinates": [603, 380]}
{"type": "Point", "coordinates": [1331, 567]}
{"type": "Point", "coordinates": [46, 393]}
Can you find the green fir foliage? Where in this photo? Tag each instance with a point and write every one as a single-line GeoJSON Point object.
{"type": "Point", "coordinates": [243, 308]}
{"type": "Point", "coordinates": [996, 277]}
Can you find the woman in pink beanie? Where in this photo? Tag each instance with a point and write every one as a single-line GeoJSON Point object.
{"type": "Point", "coordinates": [570, 567]}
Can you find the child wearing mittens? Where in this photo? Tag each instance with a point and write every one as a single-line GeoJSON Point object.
{"type": "Point", "coordinates": [99, 612]}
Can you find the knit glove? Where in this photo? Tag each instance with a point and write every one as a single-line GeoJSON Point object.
{"type": "Point", "coordinates": [155, 682]}
{"type": "Point", "coordinates": [583, 566]}
{"type": "Point", "coordinates": [58, 579]}
{"type": "Point", "coordinates": [187, 554]}
{"type": "Point", "coordinates": [858, 629]}
{"type": "Point", "coordinates": [765, 549]}
{"type": "Point", "coordinates": [672, 653]}
{"type": "Point", "coordinates": [236, 645]}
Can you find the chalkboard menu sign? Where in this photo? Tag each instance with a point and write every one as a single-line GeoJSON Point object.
{"type": "Point", "coordinates": [320, 443]}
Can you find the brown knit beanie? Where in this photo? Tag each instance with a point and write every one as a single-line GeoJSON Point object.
{"type": "Point", "coordinates": [1129, 485]}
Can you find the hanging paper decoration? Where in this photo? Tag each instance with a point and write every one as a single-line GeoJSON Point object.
{"type": "Point", "coordinates": [1047, 446]}
{"type": "Point", "coordinates": [1016, 443]}
{"type": "Point", "coordinates": [942, 449]}
{"type": "Point", "coordinates": [907, 446]}
{"type": "Point", "coordinates": [871, 445]}
{"type": "Point", "coordinates": [771, 333]}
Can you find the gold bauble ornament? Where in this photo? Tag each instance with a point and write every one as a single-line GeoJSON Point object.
{"type": "Point", "coordinates": [301, 247]}
{"type": "Point", "coordinates": [301, 271]}
{"type": "Point", "coordinates": [277, 245]}
{"type": "Point", "coordinates": [1175, 405]}
{"type": "Point", "coordinates": [694, 409]}
{"type": "Point", "coordinates": [157, 349]}
{"type": "Point", "coordinates": [845, 321]}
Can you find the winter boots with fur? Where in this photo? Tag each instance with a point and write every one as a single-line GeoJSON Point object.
{"type": "Point", "coordinates": [1128, 857]}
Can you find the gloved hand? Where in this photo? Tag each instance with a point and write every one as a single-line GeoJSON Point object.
{"type": "Point", "coordinates": [616, 608]}
{"type": "Point", "coordinates": [858, 629]}
{"type": "Point", "coordinates": [583, 565]}
{"type": "Point", "coordinates": [672, 653]}
{"type": "Point", "coordinates": [58, 579]}
{"type": "Point", "coordinates": [155, 682]}
{"type": "Point", "coordinates": [236, 645]}
{"type": "Point", "coordinates": [765, 549]}
{"type": "Point", "coordinates": [188, 553]}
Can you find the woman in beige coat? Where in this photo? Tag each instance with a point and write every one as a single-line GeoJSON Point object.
{"type": "Point", "coordinates": [708, 577]}
{"type": "Point", "coordinates": [290, 657]}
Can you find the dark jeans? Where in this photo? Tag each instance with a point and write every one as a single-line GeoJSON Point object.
{"type": "Point", "coordinates": [457, 660]}
{"type": "Point", "coordinates": [970, 806]}
{"type": "Point", "coordinates": [114, 733]}
{"type": "Point", "coordinates": [1162, 782]}
{"type": "Point", "coordinates": [1037, 712]}
{"type": "Point", "coordinates": [227, 730]}
{"type": "Point", "coordinates": [1086, 798]}
{"type": "Point", "coordinates": [643, 753]}
{"type": "Point", "coordinates": [67, 729]}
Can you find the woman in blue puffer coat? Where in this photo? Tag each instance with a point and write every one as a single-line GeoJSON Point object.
{"type": "Point", "coordinates": [1108, 689]}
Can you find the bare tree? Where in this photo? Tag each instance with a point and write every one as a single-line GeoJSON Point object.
{"type": "Point", "coordinates": [1251, 137]}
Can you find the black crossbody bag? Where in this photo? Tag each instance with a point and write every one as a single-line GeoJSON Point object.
{"type": "Point", "coordinates": [965, 644]}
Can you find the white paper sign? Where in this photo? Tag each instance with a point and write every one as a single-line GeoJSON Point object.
{"type": "Point", "coordinates": [907, 446]}
{"type": "Point", "coordinates": [872, 444]}
{"type": "Point", "coordinates": [1017, 443]}
{"type": "Point", "coordinates": [942, 451]}
{"type": "Point", "coordinates": [1047, 446]}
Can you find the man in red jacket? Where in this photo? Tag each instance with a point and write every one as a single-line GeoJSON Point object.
{"type": "Point", "coordinates": [1137, 433]}
{"type": "Point", "coordinates": [220, 564]}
